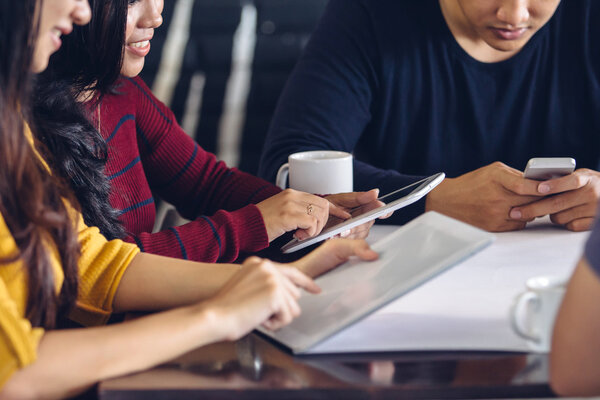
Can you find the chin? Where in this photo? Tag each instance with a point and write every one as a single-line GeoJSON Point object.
{"type": "Point", "coordinates": [39, 66]}
{"type": "Point", "coordinates": [132, 69]}
{"type": "Point", "coordinates": [507, 46]}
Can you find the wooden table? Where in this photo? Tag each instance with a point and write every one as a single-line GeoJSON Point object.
{"type": "Point", "coordinates": [253, 368]}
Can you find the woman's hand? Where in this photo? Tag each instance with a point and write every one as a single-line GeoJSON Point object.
{"type": "Point", "coordinates": [261, 293]}
{"type": "Point", "coordinates": [333, 253]}
{"type": "Point", "coordinates": [291, 210]}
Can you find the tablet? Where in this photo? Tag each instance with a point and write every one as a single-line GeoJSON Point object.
{"type": "Point", "coordinates": [393, 201]}
{"type": "Point", "coordinates": [408, 257]}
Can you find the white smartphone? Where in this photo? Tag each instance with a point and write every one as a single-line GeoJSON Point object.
{"type": "Point", "coordinates": [545, 168]}
{"type": "Point", "coordinates": [393, 201]}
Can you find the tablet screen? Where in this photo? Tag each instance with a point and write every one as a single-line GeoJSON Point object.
{"type": "Point", "coordinates": [391, 197]}
{"type": "Point", "coordinates": [360, 215]}
{"type": "Point", "coordinates": [408, 257]}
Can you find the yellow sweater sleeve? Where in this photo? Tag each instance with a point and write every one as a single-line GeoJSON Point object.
{"type": "Point", "coordinates": [18, 340]}
{"type": "Point", "coordinates": [101, 267]}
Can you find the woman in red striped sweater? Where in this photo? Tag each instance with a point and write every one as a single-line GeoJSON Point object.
{"type": "Point", "coordinates": [148, 154]}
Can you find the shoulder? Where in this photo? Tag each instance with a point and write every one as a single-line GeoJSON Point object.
{"type": "Point", "coordinates": [388, 23]}
{"type": "Point", "coordinates": [377, 26]}
{"type": "Point", "coordinates": [138, 93]}
{"type": "Point", "coordinates": [396, 13]}
{"type": "Point", "coordinates": [131, 87]}
{"type": "Point", "coordinates": [578, 16]}
{"type": "Point", "coordinates": [575, 30]}
{"type": "Point", "coordinates": [401, 14]}
{"type": "Point", "coordinates": [8, 247]}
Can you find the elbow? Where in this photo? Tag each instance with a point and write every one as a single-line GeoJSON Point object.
{"type": "Point", "coordinates": [560, 382]}
{"type": "Point", "coordinates": [563, 386]}
{"type": "Point", "coordinates": [562, 374]}
{"type": "Point", "coordinates": [569, 379]}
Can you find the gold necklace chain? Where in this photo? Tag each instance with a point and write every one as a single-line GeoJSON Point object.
{"type": "Point", "coordinates": [99, 117]}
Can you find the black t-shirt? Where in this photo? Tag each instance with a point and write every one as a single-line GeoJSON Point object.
{"type": "Point", "coordinates": [386, 79]}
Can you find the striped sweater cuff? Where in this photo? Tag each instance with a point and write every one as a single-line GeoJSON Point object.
{"type": "Point", "coordinates": [249, 220]}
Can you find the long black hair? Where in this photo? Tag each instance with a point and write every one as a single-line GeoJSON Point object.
{"type": "Point", "coordinates": [88, 62]}
{"type": "Point", "coordinates": [31, 199]}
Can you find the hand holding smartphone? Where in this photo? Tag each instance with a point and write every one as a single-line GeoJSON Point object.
{"type": "Point", "coordinates": [546, 168]}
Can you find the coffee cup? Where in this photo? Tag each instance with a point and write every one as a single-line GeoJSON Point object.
{"type": "Point", "coordinates": [534, 311]}
{"type": "Point", "coordinates": [320, 172]}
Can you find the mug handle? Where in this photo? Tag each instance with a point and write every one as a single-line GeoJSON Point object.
{"type": "Point", "coordinates": [282, 176]}
{"type": "Point", "coordinates": [518, 312]}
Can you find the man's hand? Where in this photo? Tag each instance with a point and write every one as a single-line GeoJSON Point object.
{"type": "Point", "coordinates": [485, 197]}
{"type": "Point", "coordinates": [571, 201]}
{"type": "Point", "coordinates": [350, 202]}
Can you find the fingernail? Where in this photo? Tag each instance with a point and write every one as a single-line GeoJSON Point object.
{"type": "Point", "coordinates": [377, 192]}
{"type": "Point", "coordinates": [515, 214]}
{"type": "Point", "coordinates": [543, 188]}
{"type": "Point", "coordinates": [345, 234]}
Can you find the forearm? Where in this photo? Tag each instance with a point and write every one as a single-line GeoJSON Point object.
{"type": "Point", "coordinates": [154, 282]}
{"type": "Point", "coordinates": [237, 189]}
{"type": "Point", "coordinates": [69, 361]}
{"type": "Point", "coordinates": [218, 238]}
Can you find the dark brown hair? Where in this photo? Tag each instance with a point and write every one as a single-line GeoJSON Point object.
{"type": "Point", "coordinates": [31, 199]}
{"type": "Point", "coordinates": [89, 59]}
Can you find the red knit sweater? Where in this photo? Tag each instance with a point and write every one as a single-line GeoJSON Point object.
{"type": "Point", "coordinates": [148, 153]}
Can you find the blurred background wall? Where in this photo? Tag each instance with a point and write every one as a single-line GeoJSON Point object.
{"type": "Point", "coordinates": [221, 65]}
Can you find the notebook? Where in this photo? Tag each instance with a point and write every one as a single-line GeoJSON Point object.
{"type": "Point", "coordinates": [408, 258]}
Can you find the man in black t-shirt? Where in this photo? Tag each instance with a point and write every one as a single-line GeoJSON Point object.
{"type": "Point", "coordinates": [472, 88]}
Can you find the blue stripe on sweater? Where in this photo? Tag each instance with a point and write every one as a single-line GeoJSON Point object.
{"type": "Point", "coordinates": [181, 246]}
{"type": "Point", "coordinates": [257, 191]}
{"type": "Point", "coordinates": [139, 243]}
{"type": "Point", "coordinates": [125, 118]}
{"type": "Point", "coordinates": [215, 233]}
{"type": "Point", "coordinates": [138, 205]}
{"type": "Point", "coordinates": [126, 168]}
{"type": "Point", "coordinates": [151, 100]}
{"type": "Point", "coordinates": [184, 169]}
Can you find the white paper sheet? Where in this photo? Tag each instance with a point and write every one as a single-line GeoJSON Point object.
{"type": "Point", "coordinates": [466, 308]}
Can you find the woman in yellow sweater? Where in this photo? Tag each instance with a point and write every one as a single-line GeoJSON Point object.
{"type": "Point", "coordinates": [52, 266]}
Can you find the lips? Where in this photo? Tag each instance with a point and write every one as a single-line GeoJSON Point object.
{"type": "Point", "coordinates": [509, 34]}
{"type": "Point", "coordinates": [140, 49]}
{"type": "Point", "coordinates": [55, 35]}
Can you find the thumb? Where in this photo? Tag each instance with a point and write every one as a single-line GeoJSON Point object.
{"type": "Point", "coordinates": [338, 212]}
{"type": "Point", "coordinates": [367, 197]}
{"type": "Point", "coordinates": [343, 249]}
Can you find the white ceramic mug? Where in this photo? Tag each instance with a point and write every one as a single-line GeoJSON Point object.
{"type": "Point", "coordinates": [534, 311]}
{"type": "Point", "coordinates": [320, 172]}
